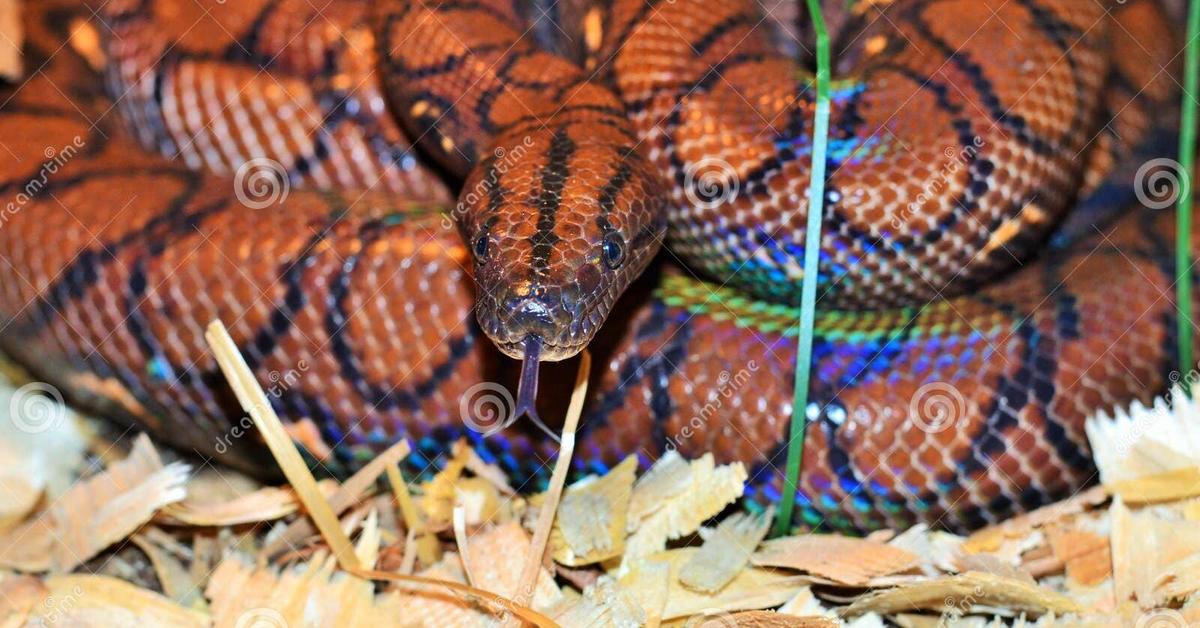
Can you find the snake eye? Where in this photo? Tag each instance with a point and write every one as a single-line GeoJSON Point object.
{"type": "Point", "coordinates": [481, 247]}
{"type": "Point", "coordinates": [614, 250]}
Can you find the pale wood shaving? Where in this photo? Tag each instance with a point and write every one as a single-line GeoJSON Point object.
{"type": "Point", "coordinates": [1160, 487]}
{"type": "Point", "coordinates": [177, 583]}
{"type": "Point", "coordinates": [765, 619]}
{"type": "Point", "coordinates": [489, 472]}
{"type": "Point", "coordinates": [479, 500]}
{"type": "Point", "coordinates": [19, 594]}
{"type": "Point", "coordinates": [938, 549]}
{"type": "Point", "coordinates": [1144, 546]}
{"type": "Point", "coordinates": [265, 504]}
{"type": "Point", "coordinates": [303, 595]}
{"type": "Point", "coordinates": [962, 593]}
{"type": "Point", "coordinates": [367, 547]}
{"type": "Point", "coordinates": [805, 604]}
{"type": "Point", "coordinates": [710, 490]}
{"type": "Point", "coordinates": [347, 495]}
{"type": "Point", "coordinates": [35, 463]}
{"type": "Point", "coordinates": [493, 559]}
{"type": "Point", "coordinates": [1085, 555]}
{"type": "Point", "coordinates": [725, 552]}
{"type": "Point", "coordinates": [102, 601]}
{"type": "Point", "coordinates": [1178, 580]}
{"type": "Point", "coordinates": [590, 526]}
{"type": "Point", "coordinates": [604, 604]}
{"type": "Point", "coordinates": [96, 512]}
{"type": "Point", "coordinates": [992, 564]}
{"type": "Point", "coordinates": [1146, 440]}
{"type": "Point", "coordinates": [841, 559]}
{"type": "Point", "coordinates": [667, 478]}
{"type": "Point", "coordinates": [1018, 528]}
{"type": "Point", "coordinates": [434, 604]}
{"type": "Point", "coordinates": [753, 588]}
{"type": "Point", "coordinates": [314, 593]}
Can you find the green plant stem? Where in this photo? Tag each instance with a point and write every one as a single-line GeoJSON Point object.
{"type": "Point", "coordinates": [808, 295]}
{"type": "Point", "coordinates": [1183, 228]}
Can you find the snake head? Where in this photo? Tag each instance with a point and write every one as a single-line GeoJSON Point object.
{"type": "Point", "coordinates": [559, 222]}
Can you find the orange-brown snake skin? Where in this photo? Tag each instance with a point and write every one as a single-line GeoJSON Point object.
{"type": "Point", "coordinates": [292, 170]}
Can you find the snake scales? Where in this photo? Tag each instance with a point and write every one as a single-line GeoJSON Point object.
{"type": "Point", "coordinates": [962, 133]}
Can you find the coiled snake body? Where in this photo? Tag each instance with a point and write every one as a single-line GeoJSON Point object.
{"type": "Point", "coordinates": [952, 374]}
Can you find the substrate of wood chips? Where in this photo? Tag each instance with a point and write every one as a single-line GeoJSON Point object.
{"type": "Point", "coordinates": [104, 529]}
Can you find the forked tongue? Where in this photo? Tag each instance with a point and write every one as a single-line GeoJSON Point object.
{"type": "Point", "coordinates": [527, 387]}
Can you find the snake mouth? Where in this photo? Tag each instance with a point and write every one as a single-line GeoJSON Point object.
{"type": "Point", "coordinates": [561, 327]}
{"type": "Point", "coordinates": [550, 352]}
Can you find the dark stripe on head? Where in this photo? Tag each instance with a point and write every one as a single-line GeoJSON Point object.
{"type": "Point", "coordinates": [554, 178]}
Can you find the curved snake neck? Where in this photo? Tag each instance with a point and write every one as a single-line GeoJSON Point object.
{"type": "Point", "coordinates": [952, 374]}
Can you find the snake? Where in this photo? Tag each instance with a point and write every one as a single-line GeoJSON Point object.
{"type": "Point", "coordinates": [386, 201]}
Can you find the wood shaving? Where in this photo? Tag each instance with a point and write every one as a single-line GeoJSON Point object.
{"type": "Point", "coordinates": [494, 559]}
{"type": "Point", "coordinates": [667, 478]}
{"type": "Point", "coordinates": [177, 583]}
{"type": "Point", "coordinates": [1085, 555]}
{"type": "Point", "coordinates": [95, 513]}
{"type": "Point", "coordinates": [1018, 528]}
{"type": "Point", "coordinates": [590, 526]}
{"type": "Point", "coordinates": [710, 490]}
{"type": "Point", "coordinates": [97, 601]}
{"type": "Point", "coordinates": [1081, 561]}
{"type": "Point", "coordinates": [604, 604]}
{"type": "Point", "coordinates": [840, 559]}
{"type": "Point", "coordinates": [767, 619]}
{"type": "Point", "coordinates": [1149, 453]}
{"type": "Point", "coordinates": [264, 504]}
{"type": "Point", "coordinates": [962, 593]}
{"type": "Point", "coordinates": [752, 589]}
{"type": "Point", "coordinates": [725, 552]}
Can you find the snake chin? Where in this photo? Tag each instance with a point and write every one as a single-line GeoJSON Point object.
{"type": "Point", "coordinates": [509, 326]}
{"type": "Point", "coordinates": [550, 352]}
